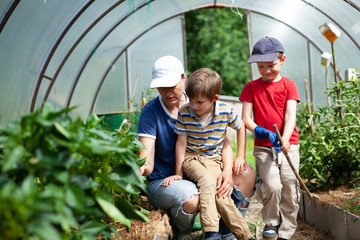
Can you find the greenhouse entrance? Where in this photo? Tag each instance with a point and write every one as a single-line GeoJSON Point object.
{"type": "Point", "coordinates": [75, 77]}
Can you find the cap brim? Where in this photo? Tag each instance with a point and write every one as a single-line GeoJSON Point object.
{"type": "Point", "coordinates": [269, 57]}
{"type": "Point", "coordinates": [168, 81]}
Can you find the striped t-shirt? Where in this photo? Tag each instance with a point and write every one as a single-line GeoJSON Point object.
{"type": "Point", "coordinates": [206, 138]}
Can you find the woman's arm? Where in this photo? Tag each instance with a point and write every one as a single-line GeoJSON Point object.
{"type": "Point", "coordinates": [148, 152]}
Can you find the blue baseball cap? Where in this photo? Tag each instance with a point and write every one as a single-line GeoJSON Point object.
{"type": "Point", "coordinates": [266, 49]}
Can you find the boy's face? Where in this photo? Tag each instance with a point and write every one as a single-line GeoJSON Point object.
{"type": "Point", "coordinates": [270, 70]}
{"type": "Point", "coordinates": [203, 105]}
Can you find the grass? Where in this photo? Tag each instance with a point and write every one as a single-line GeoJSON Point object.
{"type": "Point", "coordinates": [249, 149]}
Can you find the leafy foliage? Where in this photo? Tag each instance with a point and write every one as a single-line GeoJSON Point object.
{"type": "Point", "coordinates": [353, 204]}
{"type": "Point", "coordinates": [218, 39]}
{"type": "Point", "coordinates": [332, 155]}
{"type": "Point", "coordinates": [60, 177]}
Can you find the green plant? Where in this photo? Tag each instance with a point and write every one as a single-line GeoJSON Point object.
{"type": "Point", "coordinates": [132, 116]}
{"type": "Point", "coordinates": [353, 205]}
{"type": "Point", "coordinates": [250, 159]}
{"type": "Point", "coordinates": [331, 156]}
{"type": "Point", "coordinates": [60, 177]}
{"type": "Point", "coordinates": [218, 39]}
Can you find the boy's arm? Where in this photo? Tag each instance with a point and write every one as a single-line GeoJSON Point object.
{"type": "Point", "coordinates": [239, 165]}
{"type": "Point", "coordinates": [247, 111]}
{"type": "Point", "coordinates": [289, 124]}
{"type": "Point", "coordinates": [180, 149]}
{"type": "Point", "coordinates": [258, 130]}
{"type": "Point", "coordinates": [224, 183]}
{"type": "Point", "coordinates": [181, 144]}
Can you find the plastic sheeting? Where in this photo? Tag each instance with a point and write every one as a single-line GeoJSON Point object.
{"type": "Point", "coordinates": [98, 54]}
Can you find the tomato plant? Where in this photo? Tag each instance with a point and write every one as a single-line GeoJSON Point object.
{"type": "Point", "coordinates": [60, 177]}
{"type": "Point", "coordinates": [331, 156]}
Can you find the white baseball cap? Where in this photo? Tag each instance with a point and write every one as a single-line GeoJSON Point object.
{"type": "Point", "coordinates": [166, 72]}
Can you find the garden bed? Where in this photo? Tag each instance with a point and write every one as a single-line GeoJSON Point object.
{"type": "Point", "coordinates": [329, 211]}
{"type": "Point", "coordinates": [322, 219]}
{"type": "Point", "coordinates": [159, 228]}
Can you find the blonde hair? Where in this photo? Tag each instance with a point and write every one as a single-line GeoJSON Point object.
{"type": "Point", "coordinates": [204, 82]}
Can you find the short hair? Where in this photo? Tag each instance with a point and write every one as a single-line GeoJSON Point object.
{"type": "Point", "coordinates": [203, 82]}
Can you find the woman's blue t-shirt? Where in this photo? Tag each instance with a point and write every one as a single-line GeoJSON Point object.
{"type": "Point", "coordinates": [156, 122]}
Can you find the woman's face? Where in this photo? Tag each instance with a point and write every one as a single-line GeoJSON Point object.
{"type": "Point", "coordinates": [172, 95]}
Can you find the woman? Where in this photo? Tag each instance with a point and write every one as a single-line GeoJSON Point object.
{"type": "Point", "coordinates": [156, 131]}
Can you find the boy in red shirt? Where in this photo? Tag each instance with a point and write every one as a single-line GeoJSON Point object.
{"type": "Point", "coordinates": [272, 100]}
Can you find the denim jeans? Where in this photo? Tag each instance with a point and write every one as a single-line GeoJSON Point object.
{"type": "Point", "coordinates": [171, 200]}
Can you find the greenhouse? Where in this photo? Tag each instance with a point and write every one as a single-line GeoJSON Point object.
{"type": "Point", "coordinates": [96, 56]}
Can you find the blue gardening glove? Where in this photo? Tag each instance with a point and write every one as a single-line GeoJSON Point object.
{"type": "Point", "coordinates": [261, 133]}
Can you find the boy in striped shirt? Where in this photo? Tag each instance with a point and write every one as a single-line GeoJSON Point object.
{"type": "Point", "coordinates": [201, 128]}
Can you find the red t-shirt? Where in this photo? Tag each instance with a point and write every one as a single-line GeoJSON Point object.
{"type": "Point", "coordinates": [269, 105]}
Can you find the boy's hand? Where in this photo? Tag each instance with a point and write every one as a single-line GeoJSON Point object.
{"type": "Point", "coordinates": [167, 181]}
{"type": "Point", "coordinates": [225, 184]}
{"type": "Point", "coordinates": [261, 133]}
{"type": "Point", "coordinates": [285, 148]}
{"type": "Point", "coordinates": [239, 166]}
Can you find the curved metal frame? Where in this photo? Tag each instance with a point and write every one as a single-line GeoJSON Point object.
{"type": "Point", "coordinates": [8, 14]}
{"type": "Point", "coordinates": [84, 64]}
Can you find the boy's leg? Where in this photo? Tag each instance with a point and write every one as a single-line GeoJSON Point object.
{"type": "Point", "coordinates": [233, 218]}
{"type": "Point", "coordinates": [271, 186]}
{"type": "Point", "coordinates": [244, 189]}
{"type": "Point", "coordinates": [270, 190]}
{"type": "Point", "coordinates": [200, 170]}
{"type": "Point", "coordinates": [290, 197]}
{"type": "Point", "coordinates": [172, 199]}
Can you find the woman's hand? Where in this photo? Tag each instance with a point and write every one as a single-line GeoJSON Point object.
{"type": "Point", "coordinates": [167, 181]}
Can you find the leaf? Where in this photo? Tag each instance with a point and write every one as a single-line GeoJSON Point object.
{"type": "Point", "coordinates": [111, 210]}
{"type": "Point", "coordinates": [52, 191]}
{"type": "Point", "coordinates": [129, 211]}
{"type": "Point", "coordinates": [43, 229]}
{"type": "Point", "coordinates": [13, 157]}
{"type": "Point", "coordinates": [28, 186]}
{"type": "Point", "coordinates": [92, 227]}
{"type": "Point", "coordinates": [74, 197]}
{"type": "Point", "coordinates": [62, 130]}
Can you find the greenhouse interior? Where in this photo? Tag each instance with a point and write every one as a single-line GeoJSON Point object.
{"type": "Point", "coordinates": [96, 56]}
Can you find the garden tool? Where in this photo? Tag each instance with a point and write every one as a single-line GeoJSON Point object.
{"type": "Point", "coordinates": [292, 166]}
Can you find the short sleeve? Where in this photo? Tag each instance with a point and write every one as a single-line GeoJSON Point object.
{"type": "Point", "coordinates": [293, 93]}
{"type": "Point", "coordinates": [147, 123]}
{"type": "Point", "coordinates": [246, 94]}
{"type": "Point", "coordinates": [179, 126]}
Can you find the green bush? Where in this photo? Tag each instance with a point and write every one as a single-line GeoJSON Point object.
{"type": "Point", "coordinates": [331, 156]}
{"type": "Point", "coordinates": [60, 177]}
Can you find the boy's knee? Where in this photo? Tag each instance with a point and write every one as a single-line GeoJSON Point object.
{"type": "Point", "coordinates": [192, 204]}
